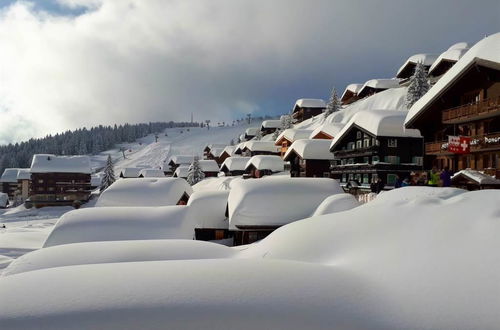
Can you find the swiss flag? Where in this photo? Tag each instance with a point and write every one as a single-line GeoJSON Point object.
{"type": "Point", "coordinates": [459, 144]}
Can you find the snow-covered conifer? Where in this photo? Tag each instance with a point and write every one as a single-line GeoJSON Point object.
{"type": "Point", "coordinates": [109, 175]}
{"type": "Point", "coordinates": [418, 85]}
{"type": "Point", "coordinates": [333, 104]}
{"type": "Point", "coordinates": [286, 122]}
{"type": "Point", "coordinates": [258, 136]}
{"type": "Point", "coordinates": [195, 174]}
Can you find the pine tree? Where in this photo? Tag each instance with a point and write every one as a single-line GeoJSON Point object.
{"type": "Point", "coordinates": [286, 122]}
{"type": "Point", "coordinates": [195, 174]}
{"type": "Point", "coordinates": [418, 85]}
{"type": "Point", "coordinates": [258, 136]}
{"type": "Point", "coordinates": [109, 175]}
{"type": "Point", "coordinates": [333, 104]}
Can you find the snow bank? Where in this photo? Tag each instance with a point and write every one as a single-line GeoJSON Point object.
{"type": "Point", "coordinates": [45, 163]}
{"type": "Point", "coordinates": [208, 208]}
{"type": "Point", "coordinates": [277, 202]}
{"type": "Point", "coordinates": [266, 162]}
{"type": "Point", "coordinates": [121, 223]}
{"type": "Point", "coordinates": [144, 192]}
{"type": "Point", "coordinates": [310, 149]}
{"type": "Point", "coordinates": [336, 203]}
{"type": "Point", "coordinates": [116, 251]}
{"type": "Point", "coordinates": [485, 53]}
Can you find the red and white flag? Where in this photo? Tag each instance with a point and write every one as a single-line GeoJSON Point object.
{"type": "Point", "coordinates": [459, 144]}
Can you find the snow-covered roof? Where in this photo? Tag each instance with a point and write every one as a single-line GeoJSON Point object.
{"type": "Point", "coordinates": [252, 131]}
{"type": "Point", "coordinates": [216, 151]}
{"type": "Point", "coordinates": [235, 163]}
{"type": "Point", "coordinates": [452, 54]}
{"type": "Point", "coordinates": [45, 163]}
{"type": "Point", "coordinates": [181, 171]}
{"type": "Point", "coordinates": [478, 177]}
{"type": "Point", "coordinates": [9, 175]}
{"type": "Point", "coordinates": [181, 159]}
{"type": "Point", "coordinates": [121, 223]}
{"type": "Point", "coordinates": [309, 103]}
{"type": "Point", "coordinates": [220, 183]}
{"type": "Point", "coordinates": [229, 150]}
{"type": "Point", "coordinates": [336, 203]}
{"type": "Point", "coordinates": [271, 124]}
{"type": "Point", "coordinates": [208, 209]}
{"type": "Point", "coordinates": [151, 173]}
{"type": "Point", "coordinates": [266, 162]}
{"type": "Point", "coordinates": [425, 59]}
{"type": "Point", "coordinates": [310, 149]}
{"type": "Point", "coordinates": [145, 192]}
{"type": "Point", "coordinates": [380, 84]}
{"type": "Point", "coordinates": [292, 134]}
{"type": "Point", "coordinates": [265, 146]}
{"type": "Point", "coordinates": [24, 174]}
{"type": "Point", "coordinates": [485, 53]}
{"type": "Point", "coordinates": [130, 172]}
{"type": "Point", "coordinates": [102, 252]}
{"type": "Point", "coordinates": [209, 146]}
{"type": "Point", "coordinates": [378, 123]}
{"type": "Point", "coordinates": [332, 129]}
{"type": "Point", "coordinates": [275, 202]}
{"type": "Point", "coordinates": [353, 88]}
{"type": "Point", "coordinates": [208, 165]}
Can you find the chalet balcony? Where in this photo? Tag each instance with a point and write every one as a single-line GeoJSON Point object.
{"type": "Point", "coordinates": [483, 109]}
{"type": "Point", "coordinates": [358, 152]}
{"type": "Point", "coordinates": [478, 143]}
{"type": "Point", "coordinates": [372, 168]}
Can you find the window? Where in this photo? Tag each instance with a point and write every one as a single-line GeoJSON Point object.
{"type": "Point", "coordinates": [350, 161]}
{"type": "Point", "coordinates": [418, 160]}
{"type": "Point", "coordinates": [392, 159]}
{"type": "Point", "coordinates": [375, 159]}
{"type": "Point", "coordinates": [344, 178]}
{"type": "Point", "coordinates": [40, 180]}
{"type": "Point", "coordinates": [374, 177]}
{"type": "Point", "coordinates": [358, 135]}
{"type": "Point", "coordinates": [391, 179]}
{"type": "Point", "coordinates": [343, 162]}
{"type": "Point", "coordinates": [366, 143]}
{"type": "Point", "coordinates": [351, 176]}
{"type": "Point", "coordinates": [366, 178]}
{"type": "Point", "coordinates": [359, 144]}
{"type": "Point", "coordinates": [366, 160]}
{"type": "Point", "coordinates": [392, 143]}
{"type": "Point", "coordinates": [359, 178]}
{"type": "Point", "coordinates": [350, 146]}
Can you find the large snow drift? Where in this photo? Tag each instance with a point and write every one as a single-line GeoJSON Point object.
{"type": "Point", "coordinates": [336, 203]}
{"type": "Point", "coordinates": [276, 202]}
{"type": "Point", "coordinates": [208, 208]}
{"type": "Point", "coordinates": [144, 192]}
{"type": "Point", "coordinates": [121, 223]}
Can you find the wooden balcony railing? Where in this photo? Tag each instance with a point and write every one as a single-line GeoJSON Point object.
{"type": "Point", "coordinates": [482, 109]}
{"type": "Point", "coordinates": [477, 143]}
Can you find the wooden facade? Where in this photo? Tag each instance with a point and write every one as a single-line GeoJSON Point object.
{"type": "Point", "coordinates": [311, 168]}
{"type": "Point", "coordinates": [323, 135]}
{"type": "Point", "coordinates": [471, 108]}
{"type": "Point", "coordinates": [10, 188]}
{"type": "Point", "coordinates": [303, 113]}
{"type": "Point", "coordinates": [349, 97]}
{"type": "Point", "coordinates": [256, 173]}
{"type": "Point", "coordinates": [53, 189]}
{"type": "Point", "coordinates": [212, 234]}
{"type": "Point", "coordinates": [251, 234]}
{"type": "Point", "coordinates": [363, 157]}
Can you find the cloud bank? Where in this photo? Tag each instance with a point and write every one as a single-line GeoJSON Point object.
{"type": "Point", "coordinates": [136, 61]}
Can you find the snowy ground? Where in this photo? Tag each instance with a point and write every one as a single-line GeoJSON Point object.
{"type": "Point", "coordinates": [26, 230]}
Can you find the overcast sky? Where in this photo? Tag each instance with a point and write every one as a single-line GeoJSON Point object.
{"type": "Point", "coordinates": [72, 63]}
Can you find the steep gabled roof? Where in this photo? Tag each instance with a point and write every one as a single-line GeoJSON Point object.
{"type": "Point", "coordinates": [379, 84]}
{"type": "Point", "coordinates": [452, 54]}
{"type": "Point", "coordinates": [181, 159]}
{"type": "Point", "coordinates": [45, 163]}
{"type": "Point", "coordinates": [229, 150]}
{"type": "Point", "coordinates": [266, 146]}
{"type": "Point", "coordinates": [292, 134]}
{"type": "Point", "coordinates": [252, 131]}
{"type": "Point", "coordinates": [310, 149]}
{"type": "Point", "coordinates": [425, 59]}
{"type": "Point", "coordinates": [266, 162]}
{"type": "Point", "coordinates": [235, 163]}
{"type": "Point", "coordinates": [130, 172]}
{"type": "Point", "coordinates": [331, 129]}
{"type": "Point", "coordinates": [353, 88]}
{"type": "Point", "coordinates": [309, 103]}
{"type": "Point", "coordinates": [485, 53]}
{"type": "Point", "coordinates": [151, 173]}
{"type": "Point", "coordinates": [378, 123]}
{"type": "Point", "coordinates": [24, 174]}
{"type": "Point", "coordinates": [216, 151]}
{"type": "Point", "coordinates": [181, 171]}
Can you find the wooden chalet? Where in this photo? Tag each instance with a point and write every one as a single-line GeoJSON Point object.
{"type": "Point", "coordinates": [262, 165]}
{"type": "Point", "coordinates": [181, 171]}
{"type": "Point", "coordinates": [408, 68]}
{"type": "Point", "coordinates": [373, 145]}
{"type": "Point", "coordinates": [151, 173]}
{"type": "Point", "coordinates": [327, 131]}
{"type": "Point", "coordinates": [307, 108]}
{"type": "Point", "coordinates": [375, 86]}
{"type": "Point", "coordinates": [446, 60]}
{"type": "Point", "coordinates": [309, 158]}
{"type": "Point", "coordinates": [464, 107]}
{"type": "Point", "coordinates": [208, 209]}
{"type": "Point", "coordinates": [350, 94]}
{"type": "Point", "coordinates": [177, 160]}
{"type": "Point", "coordinates": [253, 148]}
{"type": "Point", "coordinates": [59, 180]}
{"type": "Point", "coordinates": [234, 166]}
{"type": "Point", "coordinates": [474, 180]}
{"type": "Point", "coordinates": [270, 126]}
{"type": "Point", "coordinates": [215, 154]}
{"type": "Point", "coordinates": [9, 182]}
{"type": "Point", "coordinates": [209, 167]}
{"type": "Point", "coordinates": [227, 152]}
{"type": "Point", "coordinates": [288, 136]}
{"type": "Point", "coordinates": [209, 147]}
{"type": "Point", "coordinates": [250, 133]}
